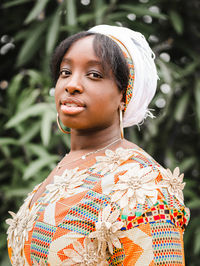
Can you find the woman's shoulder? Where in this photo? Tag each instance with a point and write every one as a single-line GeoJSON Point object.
{"type": "Point", "coordinates": [172, 179]}
{"type": "Point", "coordinates": [144, 189]}
{"type": "Point", "coordinates": [139, 155]}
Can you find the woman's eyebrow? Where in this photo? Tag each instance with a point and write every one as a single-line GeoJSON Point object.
{"type": "Point", "coordinates": [94, 62]}
{"type": "Point", "coordinates": [89, 62]}
{"type": "Point", "coordinates": [66, 60]}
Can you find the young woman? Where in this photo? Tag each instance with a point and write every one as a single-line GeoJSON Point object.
{"type": "Point", "coordinates": [107, 202]}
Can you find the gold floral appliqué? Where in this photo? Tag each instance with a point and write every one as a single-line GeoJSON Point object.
{"type": "Point", "coordinates": [107, 231]}
{"type": "Point", "coordinates": [134, 186]}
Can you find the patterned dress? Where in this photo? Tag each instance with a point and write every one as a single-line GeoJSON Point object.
{"type": "Point", "coordinates": [125, 209]}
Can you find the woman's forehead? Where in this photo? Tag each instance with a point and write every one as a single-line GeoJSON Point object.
{"type": "Point", "coordinates": [83, 49]}
{"type": "Point", "coordinates": [84, 45]}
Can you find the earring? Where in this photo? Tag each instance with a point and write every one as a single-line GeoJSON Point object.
{"type": "Point", "coordinates": [121, 123]}
{"type": "Point", "coordinates": [61, 129]}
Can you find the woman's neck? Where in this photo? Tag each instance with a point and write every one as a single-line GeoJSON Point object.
{"type": "Point", "coordinates": [93, 140]}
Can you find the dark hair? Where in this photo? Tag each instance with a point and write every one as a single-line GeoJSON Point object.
{"type": "Point", "coordinates": [105, 48]}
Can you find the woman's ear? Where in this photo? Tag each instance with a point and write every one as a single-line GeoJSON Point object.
{"type": "Point", "coordinates": [122, 104]}
{"type": "Point", "coordinates": [122, 101]}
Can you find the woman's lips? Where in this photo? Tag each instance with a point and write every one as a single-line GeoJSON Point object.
{"type": "Point", "coordinates": [71, 110]}
{"type": "Point", "coordinates": [72, 106]}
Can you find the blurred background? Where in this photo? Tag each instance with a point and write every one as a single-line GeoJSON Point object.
{"type": "Point", "coordinates": [30, 142]}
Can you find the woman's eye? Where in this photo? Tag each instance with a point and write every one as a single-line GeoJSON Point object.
{"type": "Point", "coordinates": [65, 73]}
{"type": "Point", "coordinates": [95, 75]}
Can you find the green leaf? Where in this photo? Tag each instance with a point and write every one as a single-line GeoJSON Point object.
{"type": "Point", "coordinates": [37, 149]}
{"type": "Point", "coordinates": [15, 85]}
{"type": "Point", "coordinates": [28, 100]}
{"type": "Point", "coordinates": [47, 119]}
{"type": "Point", "coordinates": [140, 10]}
{"type": "Point", "coordinates": [30, 133]}
{"type": "Point", "coordinates": [85, 18]}
{"type": "Point", "coordinates": [2, 163]}
{"type": "Point", "coordinates": [117, 16]}
{"type": "Point", "coordinates": [34, 110]}
{"type": "Point", "coordinates": [194, 204]}
{"type": "Point", "coordinates": [31, 45]}
{"type": "Point", "coordinates": [15, 3]}
{"type": "Point", "coordinates": [170, 159]}
{"type": "Point", "coordinates": [188, 192]}
{"type": "Point", "coordinates": [71, 16]}
{"type": "Point", "coordinates": [153, 129]}
{"type": "Point", "coordinates": [100, 9]}
{"type": "Point", "coordinates": [18, 164]}
{"type": "Point", "coordinates": [38, 8]}
{"type": "Point", "coordinates": [68, 28]}
{"type": "Point", "coordinates": [165, 71]}
{"type": "Point", "coordinates": [187, 164]}
{"type": "Point", "coordinates": [35, 77]}
{"type": "Point", "coordinates": [17, 192]}
{"type": "Point", "coordinates": [8, 141]}
{"type": "Point", "coordinates": [197, 99]}
{"type": "Point", "coordinates": [197, 241]}
{"type": "Point", "coordinates": [177, 21]}
{"type": "Point", "coordinates": [3, 243]}
{"type": "Point", "coordinates": [22, 35]}
{"type": "Point", "coordinates": [181, 106]}
{"type": "Point", "coordinates": [53, 31]}
{"type": "Point", "coordinates": [37, 165]}
{"type": "Point", "coordinates": [190, 68]}
{"type": "Point", "coordinates": [6, 151]}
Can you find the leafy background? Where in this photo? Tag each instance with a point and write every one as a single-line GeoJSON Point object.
{"type": "Point", "coordinates": [30, 143]}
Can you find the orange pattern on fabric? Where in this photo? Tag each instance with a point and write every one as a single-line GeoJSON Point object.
{"type": "Point", "coordinates": [27, 247]}
{"type": "Point", "coordinates": [132, 250]}
{"type": "Point", "coordinates": [138, 246]}
{"type": "Point", "coordinates": [58, 225]}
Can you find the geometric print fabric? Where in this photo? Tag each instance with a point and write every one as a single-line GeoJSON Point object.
{"type": "Point", "coordinates": [152, 239]}
{"type": "Point", "coordinates": [138, 246]}
{"type": "Point", "coordinates": [48, 241]}
{"type": "Point", "coordinates": [153, 232]}
{"type": "Point", "coordinates": [167, 244]}
{"type": "Point", "coordinates": [82, 217]}
{"type": "Point", "coordinates": [41, 240]}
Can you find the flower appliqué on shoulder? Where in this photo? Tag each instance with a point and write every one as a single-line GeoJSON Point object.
{"type": "Point", "coordinates": [85, 255]}
{"type": "Point", "coordinates": [134, 186]}
{"type": "Point", "coordinates": [173, 182]}
{"type": "Point", "coordinates": [65, 185]}
{"type": "Point", "coordinates": [112, 159]}
{"type": "Point", "coordinates": [17, 259]}
{"type": "Point", "coordinates": [108, 231]}
{"type": "Point", "coordinates": [19, 226]}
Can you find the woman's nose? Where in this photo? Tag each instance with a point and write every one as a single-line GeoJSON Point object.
{"type": "Point", "coordinates": [74, 85]}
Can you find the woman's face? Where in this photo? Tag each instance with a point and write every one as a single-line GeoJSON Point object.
{"type": "Point", "coordinates": [86, 96]}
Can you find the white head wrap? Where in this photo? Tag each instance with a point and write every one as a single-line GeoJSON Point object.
{"type": "Point", "coordinates": [145, 80]}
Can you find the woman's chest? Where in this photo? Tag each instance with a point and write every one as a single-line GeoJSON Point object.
{"type": "Point", "coordinates": [59, 224]}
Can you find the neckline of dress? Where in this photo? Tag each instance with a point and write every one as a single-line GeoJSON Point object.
{"type": "Point", "coordinates": [86, 169]}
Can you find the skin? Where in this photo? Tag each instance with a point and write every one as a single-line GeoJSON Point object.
{"type": "Point", "coordinates": [82, 78]}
